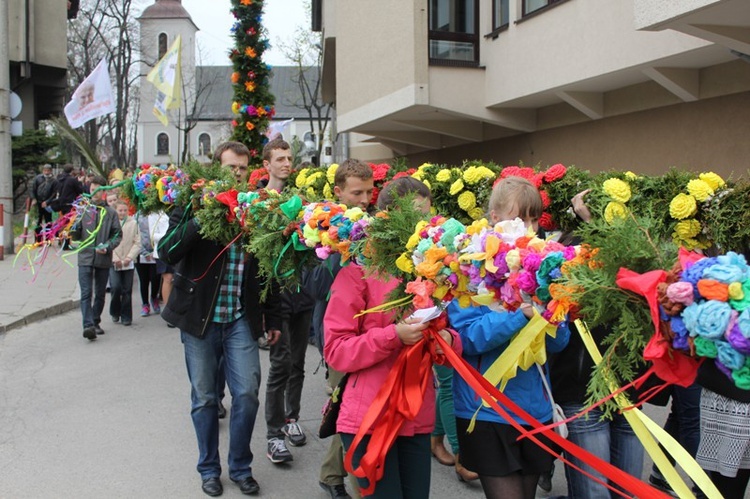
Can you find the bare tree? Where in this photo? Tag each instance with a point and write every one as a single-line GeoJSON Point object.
{"type": "Point", "coordinates": [305, 52]}
{"type": "Point", "coordinates": [106, 28]}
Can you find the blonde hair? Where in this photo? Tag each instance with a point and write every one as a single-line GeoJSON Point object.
{"type": "Point", "coordinates": [518, 193]}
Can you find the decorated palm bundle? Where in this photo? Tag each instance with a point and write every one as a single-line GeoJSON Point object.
{"type": "Point", "coordinates": [502, 266]}
{"type": "Point", "coordinates": [705, 311]}
{"type": "Point", "coordinates": [154, 188]}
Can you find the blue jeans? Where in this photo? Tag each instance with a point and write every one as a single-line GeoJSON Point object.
{"type": "Point", "coordinates": [242, 367]}
{"type": "Point", "coordinates": [611, 440]}
{"type": "Point", "coordinates": [93, 284]}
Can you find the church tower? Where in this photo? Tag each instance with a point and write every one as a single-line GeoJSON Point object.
{"type": "Point", "coordinates": [161, 23]}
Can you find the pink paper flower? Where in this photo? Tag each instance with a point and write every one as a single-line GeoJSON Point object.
{"type": "Point", "coordinates": [680, 292]}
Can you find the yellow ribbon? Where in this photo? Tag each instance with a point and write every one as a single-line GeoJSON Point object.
{"type": "Point", "coordinates": [525, 349]}
{"type": "Point", "coordinates": [645, 429]}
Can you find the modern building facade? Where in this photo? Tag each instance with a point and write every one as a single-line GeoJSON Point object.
{"type": "Point", "coordinates": [636, 84]}
{"type": "Point", "coordinates": [37, 49]}
{"type": "Point", "coordinates": [207, 93]}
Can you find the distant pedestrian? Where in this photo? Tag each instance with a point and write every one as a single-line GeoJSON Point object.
{"type": "Point", "coordinates": [99, 222]}
{"type": "Point", "coordinates": [148, 276]}
{"type": "Point", "coordinates": [42, 192]}
{"type": "Point", "coordinates": [123, 267]}
{"type": "Point", "coordinates": [67, 189]}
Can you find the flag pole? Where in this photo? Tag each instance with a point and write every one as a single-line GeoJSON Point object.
{"type": "Point", "coordinates": [177, 126]}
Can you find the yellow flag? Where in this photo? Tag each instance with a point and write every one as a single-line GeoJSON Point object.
{"type": "Point", "coordinates": [166, 77]}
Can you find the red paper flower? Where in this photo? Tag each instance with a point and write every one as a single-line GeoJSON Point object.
{"type": "Point", "coordinates": [546, 222]}
{"type": "Point", "coordinates": [545, 199]}
{"type": "Point", "coordinates": [555, 172]}
{"type": "Point", "coordinates": [510, 171]}
{"type": "Point", "coordinates": [375, 194]}
{"type": "Point", "coordinates": [422, 291]}
{"type": "Point", "coordinates": [379, 172]}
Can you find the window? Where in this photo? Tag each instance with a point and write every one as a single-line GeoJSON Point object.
{"type": "Point", "coordinates": [162, 45]}
{"type": "Point", "coordinates": [453, 38]}
{"type": "Point", "coordinates": [500, 14]}
{"type": "Point", "coordinates": [204, 144]}
{"type": "Point", "coordinates": [162, 144]}
{"type": "Point", "coordinates": [530, 6]}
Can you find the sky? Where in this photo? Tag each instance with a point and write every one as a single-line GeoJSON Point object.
{"type": "Point", "coordinates": [214, 20]}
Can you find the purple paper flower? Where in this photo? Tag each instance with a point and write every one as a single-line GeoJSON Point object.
{"type": "Point", "coordinates": [500, 263]}
{"type": "Point", "coordinates": [530, 262]}
{"type": "Point", "coordinates": [737, 340]}
{"type": "Point", "coordinates": [723, 368]}
{"type": "Point", "coordinates": [680, 343]}
{"type": "Point", "coordinates": [526, 282]}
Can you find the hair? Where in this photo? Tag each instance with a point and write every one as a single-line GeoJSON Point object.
{"type": "Point", "coordinates": [68, 168]}
{"type": "Point", "coordinates": [113, 192]}
{"type": "Point", "coordinates": [519, 193]}
{"type": "Point", "coordinates": [351, 168]}
{"type": "Point", "coordinates": [46, 166]}
{"type": "Point", "coordinates": [399, 188]}
{"type": "Point", "coordinates": [98, 180]}
{"type": "Point", "coordinates": [238, 148]}
{"type": "Point", "coordinates": [121, 202]}
{"type": "Point", "coordinates": [272, 146]}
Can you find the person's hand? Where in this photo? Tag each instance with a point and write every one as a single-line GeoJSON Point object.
{"type": "Point", "coordinates": [101, 251]}
{"type": "Point", "coordinates": [44, 204]}
{"type": "Point", "coordinates": [410, 330]}
{"type": "Point", "coordinates": [447, 336]}
{"type": "Point", "coordinates": [579, 206]}
{"type": "Point", "coordinates": [126, 262]}
{"type": "Point", "coordinates": [527, 309]}
{"type": "Point", "coordinates": [273, 336]}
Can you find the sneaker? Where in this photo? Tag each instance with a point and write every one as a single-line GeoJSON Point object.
{"type": "Point", "coordinates": [155, 306]}
{"type": "Point", "coordinates": [337, 491]}
{"type": "Point", "coordinates": [661, 484]}
{"type": "Point", "coordinates": [89, 333]}
{"type": "Point", "coordinates": [263, 343]}
{"type": "Point", "coordinates": [294, 433]}
{"type": "Point", "coordinates": [115, 319]}
{"type": "Point", "coordinates": [98, 330]}
{"type": "Point", "coordinates": [145, 310]}
{"type": "Point", "coordinates": [277, 451]}
{"type": "Point", "coordinates": [545, 481]}
{"type": "Point", "coordinates": [126, 322]}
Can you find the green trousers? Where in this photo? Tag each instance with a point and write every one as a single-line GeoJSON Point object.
{"type": "Point", "coordinates": [445, 419]}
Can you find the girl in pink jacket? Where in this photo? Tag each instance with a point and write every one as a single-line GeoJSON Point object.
{"type": "Point", "coordinates": [367, 347]}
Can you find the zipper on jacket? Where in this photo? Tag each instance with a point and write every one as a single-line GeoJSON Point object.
{"type": "Point", "coordinates": [216, 294]}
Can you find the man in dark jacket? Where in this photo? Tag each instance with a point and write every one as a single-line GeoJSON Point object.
{"type": "Point", "coordinates": [215, 302]}
{"type": "Point", "coordinates": [67, 190]}
{"type": "Point", "coordinates": [42, 192]}
{"type": "Point", "coordinates": [99, 222]}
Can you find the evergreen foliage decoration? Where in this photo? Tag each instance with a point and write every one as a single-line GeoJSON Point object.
{"type": "Point", "coordinates": [253, 104]}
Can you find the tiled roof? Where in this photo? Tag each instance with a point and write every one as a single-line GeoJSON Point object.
{"type": "Point", "coordinates": [215, 101]}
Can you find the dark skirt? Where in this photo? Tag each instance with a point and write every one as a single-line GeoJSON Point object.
{"type": "Point", "coordinates": [492, 449]}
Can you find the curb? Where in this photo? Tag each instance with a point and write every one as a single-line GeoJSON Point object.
{"type": "Point", "coordinates": [40, 315]}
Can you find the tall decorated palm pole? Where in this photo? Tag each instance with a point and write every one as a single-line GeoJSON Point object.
{"type": "Point", "coordinates": [253, 101]}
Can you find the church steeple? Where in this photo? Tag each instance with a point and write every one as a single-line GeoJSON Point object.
{"type": "Point", "coordinates": [166, 9]}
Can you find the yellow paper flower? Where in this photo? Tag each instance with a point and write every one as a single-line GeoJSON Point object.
{"type": "Point", "coordinates": [471, 175]}
{"type": "Point", "coordinates": [331, 173]}
{"type": "Point", "coordinates": [682, 206]}
{"type": "Point", "coordinates": [476, 213]}
{"type": "Point", "coordinates": [404, 263]}
{"type": "Point", "coordinates": [301, 178]}
{"type": "Point", "coordinates": [310, 181]}
{"type": "Point", "coordinates": [456, 187]}
{"type": "Point", "coordinates": [476, 227]}
{"type": "Point", "coordinates": [415, 237]}
{"type": "Point", "coordinates": [631, 176]}
{"type": "Point", "coordinates": [354, 214]}
{"type": "Point", "coordinates": [311, 192]}
{"type": "Point", "coordinates": [700, 190]}
{"type": "Point", "coordinates": [713, 180]}
{"type": "Point", "coordinates": [485, 172]}
{"type": "Point", "coordinates": [236, 107]}
{"type": "Point", "coordinates": [467, 201]}
{"type": "Point", "coordinates": [614, 210]}
{"type": "Point", "coordinates": [617, 189]}
{"type": "Point", "coordinates": [443, 176]}
{"type": "Point", "coordinates": [687, 229]}
{"type": "Point", "coordinates": [427, 183]}
{"type": "Point", "coordinates": [513, 259]}
{"type": "Point", "coordinates": [735, 291]}
{"type": "Point", "coordinates": [419, 175]}
{"type": "Point", "coordinates": [327, 191]}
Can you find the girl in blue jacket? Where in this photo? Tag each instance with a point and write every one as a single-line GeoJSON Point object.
{"type": "Point", "coordinates": [507, 468]}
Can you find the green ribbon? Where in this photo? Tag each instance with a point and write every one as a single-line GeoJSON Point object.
{"type": "Point", "coordinates": [292, 207]}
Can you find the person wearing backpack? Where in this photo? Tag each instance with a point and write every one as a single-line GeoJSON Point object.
{"type": "Point", "coordinates": [42, 191]}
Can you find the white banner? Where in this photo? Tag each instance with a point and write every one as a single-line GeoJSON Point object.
{"type": "Point", "coordinates": [93, 97]}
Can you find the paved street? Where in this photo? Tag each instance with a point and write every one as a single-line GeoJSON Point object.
{"type": "Point", "coordinates": [111, 418]}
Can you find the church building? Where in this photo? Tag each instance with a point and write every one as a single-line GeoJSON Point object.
{"type": "Point", "coordinates": [204, 119]}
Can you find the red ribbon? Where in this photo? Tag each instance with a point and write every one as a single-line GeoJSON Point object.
{"type": "Point", "coordinates": [399, 400]}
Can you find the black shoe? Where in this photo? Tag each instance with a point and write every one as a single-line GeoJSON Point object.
{"type": "Point", "coordinates": [545, 481]}
{"type": "Point", "coordinates": [294, 433]}
{"type": "Point", "coordinates": [126, 322]}
{"type": "Point", "coordinates": [222, 411]}
{"type": "Point", "coordinates": [89, 333]}
{"type": "Point", "coordinates": [661, 484]}
{"type": "Point", "coordinates": [337, 491]}
{"type": "Point", "coordinates": [98, 330]}
{"type": "Point", "coordinates": [115, 319]}
{"type": "Point", "coordinates": [248, 485]}
{"type": "Point", "coordinates": [212, 487]}
{"type": "Point", "coordinates": [277, 451]}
